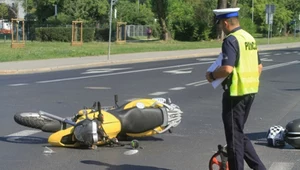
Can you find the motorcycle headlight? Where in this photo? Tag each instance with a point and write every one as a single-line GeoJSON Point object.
{"type": "Point", "coordinates": [85, 132]}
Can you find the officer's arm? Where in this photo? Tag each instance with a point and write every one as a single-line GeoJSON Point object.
{"type": "Point", "coordinates": [260, 67]}
{"type": "Point", "coordinates": [222, 71]}
{"type": "Point", "coordinates": [229, 51]}
{"type": "Point", "coordinates": [259, 64]}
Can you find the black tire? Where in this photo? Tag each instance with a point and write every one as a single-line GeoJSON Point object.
{"type": "Point", "coordinates": [34, 120]}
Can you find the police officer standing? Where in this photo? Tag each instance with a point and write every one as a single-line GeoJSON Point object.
{"type": "Point", "coordinates": [241, 66]}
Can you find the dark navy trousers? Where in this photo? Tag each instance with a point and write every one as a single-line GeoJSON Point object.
{"type": "Point", "coordinates": [235, 112]}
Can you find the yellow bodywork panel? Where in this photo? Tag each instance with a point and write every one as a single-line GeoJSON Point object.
{"type": "Point", "coordinates": [111, 125]}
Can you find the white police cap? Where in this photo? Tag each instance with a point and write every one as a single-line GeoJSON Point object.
{"type": "Point", "coordinates": [226, 13]}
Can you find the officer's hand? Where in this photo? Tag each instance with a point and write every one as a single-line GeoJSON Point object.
{"type": "Point", "coordinates": [208, 77]}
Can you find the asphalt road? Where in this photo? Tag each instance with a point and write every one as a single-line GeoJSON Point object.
{"type": "Point", "coordinates": [191, 144]}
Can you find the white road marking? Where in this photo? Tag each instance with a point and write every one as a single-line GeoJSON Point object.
{"type": "Point", "coordinates": [158, 93]}
{"type": "Point", "coordinates": [266, 59]}
{"type": "Point", "coordinates": [287, 53]}
{"type": "Point", "coordinates": [266, 55]}
{"type": "Point", "coordinates": [22, 134]}
{"type": "Point", "coordinates": [180, 71]}
{"type": "Point", "coordinates": [177, 88]}
{"type": "Point", "coordinates": [197, 82]}
{"type": "Point", "coordinates": [151, 69]}
{"type": "Point", "coordinates": [120, 73]}
{"type": "Point", "coordinates": [281, 65]}
{"type": "Point", "coordinates": [277, 54]}
{"type": "Point", "coordinates": [206, 59]}
{"type": "Point", "coordinates": [295, 51]}
{"type": "Point", "coordinates": [98, 88]}
{"type": "Point", "coordinates": [20, 84]}
{"type": "Point", "coordinates": [200, 84]}
{"type": "Point", "coordinates": [281, 166]}
{"type": "Point", "coordinates": [203, 82]}
{"type": "Point", "coordinates": [103, 70]}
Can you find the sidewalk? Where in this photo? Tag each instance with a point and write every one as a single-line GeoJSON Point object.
{"type": "Point", "coordinates": [34, 66]}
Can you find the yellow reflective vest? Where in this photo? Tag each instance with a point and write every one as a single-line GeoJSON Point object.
{"type": "Point", "coordinates": [245, 76]}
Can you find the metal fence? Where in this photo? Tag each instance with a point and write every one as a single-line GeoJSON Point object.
{"type": "Point", "coordinates": [136, 31]}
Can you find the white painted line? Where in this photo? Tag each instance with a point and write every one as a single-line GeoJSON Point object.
{"type": "Point", "coordinates": [200, 84]}
{"type": "Point", "coordinates": [20, 84]}
{"type": "Point", "coordinates": [203, 82]}
{"type": "Point", "coordinates": [103, 70]}
{"type": "Point", "coordinates": [277, 54]}
{"type": "Point", "coordinates": [206, 59]}
{"type": "Point", "coordinates": [158, 93]}
{"type": "Point", "coordinates": [24, 133]}
{"type": "Point", "coordinates": [197, 82]}
{"type": "Point", "coordinates": [266, 59]}
{"type": "Point", "coordinates": [98, 88]}
{"type": "Point", "coordinates": [295, 51]}
{"type": "Point", "coordinates": [266, 55]}
{"type": "Point", "coordinates": [281, 166]}
{"type": "Point", "coordinates": [287, 53]}
{"type": "Point", "coordinates": [177, 88]}
{"type": "Point", "coordinates": [120, 73]}
{"type": "Point", "coordinates": [281, 65]}
{"type": "Point", "coordinates": [180, 71]}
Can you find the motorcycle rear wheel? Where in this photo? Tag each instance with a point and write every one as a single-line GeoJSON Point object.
{"type": "Point", "coordinates": [35, 120]}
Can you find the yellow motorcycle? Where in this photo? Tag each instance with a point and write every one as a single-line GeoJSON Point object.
{"type": "Point", "coordinates": [106, 125]}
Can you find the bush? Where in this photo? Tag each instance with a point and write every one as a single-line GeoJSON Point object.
{"type": "Point", "coordinates": [102, 34]}
{"type": "Point", "coordinates": [62, 34]}
{"type": "Point", "coordinates": [88, 34]}
{"type": "Point", "coordinates": [246, 24]}
{"type": "Point", "coordinates": [53, 34]}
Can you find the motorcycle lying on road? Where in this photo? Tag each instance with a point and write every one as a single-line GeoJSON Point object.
{"type": "Point", "coordinates": [106, 125]}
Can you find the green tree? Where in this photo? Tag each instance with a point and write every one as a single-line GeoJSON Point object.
{"type": "Point", "coordinates": [3, 11]}
{"type": "Point", "coordinates": [181, 20]}
{"type": "Point", "coordinates": [86, 9]}
{"type": "Point", "coordinates": [160, 7]}
{"type": "Point", "coordinates": [281, 17]}
{"type": "Point", "coordinates": [205, 20]}
{"type": "Point", "coordinates": [134, 13]}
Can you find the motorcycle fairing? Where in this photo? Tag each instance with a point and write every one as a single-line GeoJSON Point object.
{"type": "Point", "coordinates": [111, 125]}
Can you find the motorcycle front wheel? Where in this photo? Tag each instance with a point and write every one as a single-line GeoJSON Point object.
{"type": "Point", "coordinates": [35, 120]}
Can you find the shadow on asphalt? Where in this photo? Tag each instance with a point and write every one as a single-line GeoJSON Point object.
{"type": "Point", "coordinates": [121, 167]}
{"type": "Point", "coordinates": [257, 135]}
{"type": "Point", "coordinates": [24, 139]}
{"type": "Point", "coordinates": [260, 139]}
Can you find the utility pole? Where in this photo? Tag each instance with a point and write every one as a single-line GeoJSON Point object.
{"type": "Point", "coordinates": [252, 9]}
{"type": "Point", "coordinates": [112, 2]}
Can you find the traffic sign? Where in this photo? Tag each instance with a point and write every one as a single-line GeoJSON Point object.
{"type": "Point", "coordinates": [270, 9]}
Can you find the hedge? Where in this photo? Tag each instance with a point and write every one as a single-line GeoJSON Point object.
{"type": "Point", "coordinates": [63, 34]}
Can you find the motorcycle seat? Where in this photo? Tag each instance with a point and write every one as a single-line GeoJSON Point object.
{"type": "Point", "coordinates": [137, 120]}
